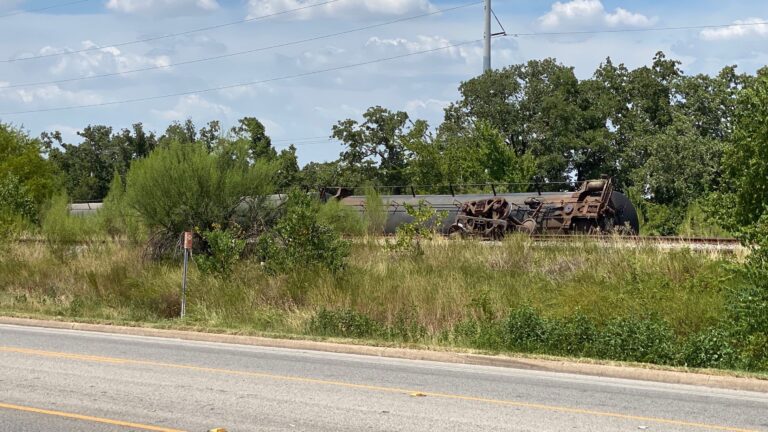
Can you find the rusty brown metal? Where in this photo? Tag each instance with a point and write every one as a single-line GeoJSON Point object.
{"type": "Point", "coordinates": [588, 210]}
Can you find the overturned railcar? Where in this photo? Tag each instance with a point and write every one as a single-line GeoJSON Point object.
{"type": "Point", "coordinates": [594, 207]}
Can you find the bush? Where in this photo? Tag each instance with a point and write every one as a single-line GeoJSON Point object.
{"type": "Point", "coordinates": [300, 241]}
{"type": "Point", "coordinates": [182, 187]}
{"type": "Point", "coordinates": [408, 235]}
{"type": "Point", "coordinates": [344, 323]}
{"type": "Point", "coordinates": [65, 232]}
{"type": "Point", "coordinates": [647, 340]}
{"type": "Point", "coordinates": [224, 250]}
{"type": "Point", "coordinates": [342, 218]}
{"type": "Point", "coordinates": [748, 315]}
{"type": "Point", "coordinates": [572, 336]}
{"type": "Point", "coordinates": [710, 348]}
{"type": "Point", "coordinates": [117, 218]}
{"type": "Point", "coordinates": [375, 212]}
{"type": "Point", "coordinates": [524, 330]}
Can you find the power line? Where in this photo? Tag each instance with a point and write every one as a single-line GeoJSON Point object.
{"type": "Point", "coordinates": [639, 30]}
{"type": "Point", "coordinates": [247, 84]}
{"type": "Point", "coordinates": [238, 53]}
{"type": "Point", "coordinates": [44, 8]}
{"type": "Point", "coordinates": [319, 137]}
{"type": "Point", "coordinates": [170, 35]}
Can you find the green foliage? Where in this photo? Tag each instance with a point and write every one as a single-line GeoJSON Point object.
{"type": "Point", "coordinates": [648, 340]}
{"type": "Point", "coordinates": [380, 138]}
{"type": "Point", "coordinates": [746, 159]}
{"type": "Point", "coordinates": [699, 221]}
{"type": "Point", "coordinates": [64, 232]}
{"type": "Point", "coordinates": [524, 330]}
{"type": "Point", "coordinates": [344, 323]}
{"type": "Point", "coordinates": [300, 241]}
{"type": "Point", "coordinates": [344, 219]}
{"type": "Point", "coordinates": [711, 348]}
{"type": "Point", "coordinates": [659, 219]}
{"type": "Point", "coordinates": [181, 187]}
{"type": "Point", "coordinates": [17, 209]}
{"type": "Point", "coordinates": [117, 218]}
{"type": "Point", "coordinates": [423, 226]}
{"type": "Point", "coordinates": [224, 250]}
{"type": "Point", "coordinates": [681, 165]}
{"type": "Point", "coordinates": [24, 169]}
{"type": "Point", "coordinates": [375, 212]}
{"type": "Point", "coordinates": [88, 167]}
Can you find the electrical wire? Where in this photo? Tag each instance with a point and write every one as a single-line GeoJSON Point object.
{"type": "Point", "coordinates": [170, 35]}
{"type": "Point", "coordinates": [638, 30]}
{"type": "Point", "coordinates": [44, 8]}
{"type": "Point", "coordinates": [247, 84]}
{"type": "Point", "coordinates": [238, 53]}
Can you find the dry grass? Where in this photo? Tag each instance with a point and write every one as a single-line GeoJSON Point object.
{"type": "Point", "coordinates": [452, 282]}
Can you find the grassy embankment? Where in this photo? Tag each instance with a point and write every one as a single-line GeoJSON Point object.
{"type": "Point", "coordinates": [577, 300]}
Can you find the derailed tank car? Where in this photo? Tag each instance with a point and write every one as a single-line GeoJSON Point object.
{"type": "Point", "coordinates": [595, 207]}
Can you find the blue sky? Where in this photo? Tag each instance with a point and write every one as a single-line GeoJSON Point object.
{"type": "Point", "coordinates": [302, 109]}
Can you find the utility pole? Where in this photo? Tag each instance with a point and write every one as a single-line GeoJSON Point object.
{"type": "Point", "coordinates": [487, 41]}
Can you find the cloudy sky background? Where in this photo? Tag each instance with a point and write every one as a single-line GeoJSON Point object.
{"type": "Point", "coordinates": [302, 110]}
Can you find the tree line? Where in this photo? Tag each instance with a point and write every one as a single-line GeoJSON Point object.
{"type": "Point", "coordinates": [690, 150]}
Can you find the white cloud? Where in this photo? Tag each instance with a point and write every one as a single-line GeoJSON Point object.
{"type": "Point", "coordinates": [100, 61]}
{"type": "Point", "coordinates": [339, 9]}
{"type": "Point", "coordinates": [162, 7]}
{"type": "Point", "coordinates": [420, 43]}
{"type": "Point", "coordinates": [426, 105]}
{"type": "Point", "coordinates": [589, 14]}
{"type": "Point", "coordinates": [249, 92]}
{"type": "Point", "coordinates": [50, 95]}
{"type": "Point", "coordinates": [195, 107]}
{"type": "Point", "coordinates": [748, 28]}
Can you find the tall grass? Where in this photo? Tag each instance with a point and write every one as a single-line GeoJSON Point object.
{"type": "Point", "coordinates": [578, 299]}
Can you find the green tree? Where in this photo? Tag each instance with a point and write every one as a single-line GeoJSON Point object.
{"type": "Point", "coordinates": [747, 158]}
{"type": "Point", "coordinates": [23, 167]}
{"type": "Point", "coordinates": [681, 165]}
{"type": "Point", "coordinates": [253, 132]}
{"type": "Point", "coordinates": [375, 149]}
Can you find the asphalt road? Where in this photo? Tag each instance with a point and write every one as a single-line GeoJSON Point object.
{"type": "Point", "coordinates": [61, 380]}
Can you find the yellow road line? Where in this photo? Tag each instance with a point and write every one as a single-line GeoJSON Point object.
{"type": "Point", "coordinates": [87, 418]}
{"type": "Point", "coordinates": [530, 405]}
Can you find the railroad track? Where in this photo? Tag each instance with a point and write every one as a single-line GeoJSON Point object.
{"type": "Point", "coordinates": [662, 242]}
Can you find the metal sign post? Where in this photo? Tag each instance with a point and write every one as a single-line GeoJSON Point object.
{"type": "Point", "coordinates": [187, 251]}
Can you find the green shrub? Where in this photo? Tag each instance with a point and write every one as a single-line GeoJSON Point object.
{"type": "Point", "coordinates": [64, 232]}
{"type": "Point", "coordinates": [572, 336]}
{"type": "Point", "coordinates": [300, 241]}
{"type": "Point", "coordinates": [482, 334]}
{"type": "Point", "coordinates": [408, 236]}
{"type": "Point", "coordinates": [406, 326]}
{"type": "Point", "coordinates": [375, 212]}
{"type": "Point", "coordinates": [182, 187]}
{"type": "Point", "coordinates": [117, 218]}
{"type": "Point", "coordinates": [344, 323]}
{"type": "Point", "coordinates": [524, 330]}
{"type": "Point", "coordinates": [342, 218]}
{"type": "Point", "coordinates": [710, 348]}
{"type": "Point", "coordinates": [747, 312]}
{"type": "Point", "coordinates": [223, 251]}
{"type": "Point", "coordinates": [647, 340]}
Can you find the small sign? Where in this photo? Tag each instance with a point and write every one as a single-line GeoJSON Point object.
{"type": "Point", "coordinates": [187, 240]}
